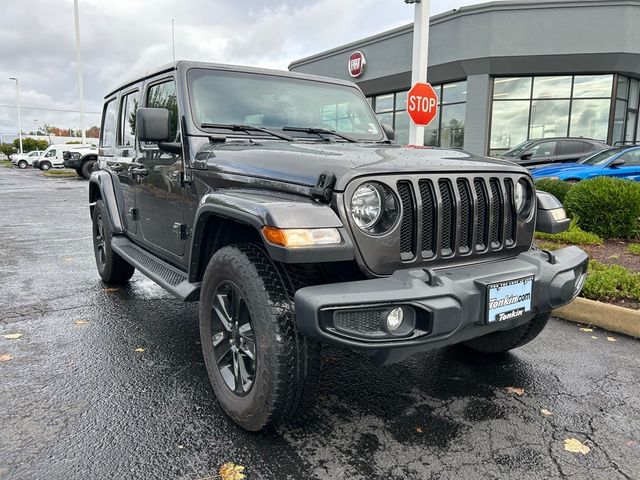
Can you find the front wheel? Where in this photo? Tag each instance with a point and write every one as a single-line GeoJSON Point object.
{"type": "Point", "coordinates": [503, 341]}
{"type": "Point", "coordinates": [87, 168]}
{"type": "Point", "coordinates": [22, 164]}
{"type": "Point", "coordinates": [111, 266]}
{"type": "Point", "coordinates": [263, 371]}
{"type": "Point", "coordinates": [45, 166]}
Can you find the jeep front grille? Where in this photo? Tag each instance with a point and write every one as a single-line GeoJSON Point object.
{"type": "Point", "coordinates": [449, 209]}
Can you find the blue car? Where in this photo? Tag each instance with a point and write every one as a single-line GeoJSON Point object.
{"type": "Point", "coordinates": [621, 162]}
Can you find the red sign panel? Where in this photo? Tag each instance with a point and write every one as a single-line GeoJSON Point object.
{"type": "Point", "coordinates": [422, 104]}
{"type": "Point", "coordinates": [356, 64]}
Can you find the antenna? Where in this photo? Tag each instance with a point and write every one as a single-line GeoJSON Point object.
{"type": "Point", "coordinates": [173, 43]}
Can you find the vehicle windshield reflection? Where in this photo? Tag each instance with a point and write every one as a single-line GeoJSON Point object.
{"type": "Point", "coordinates": [600, 158]}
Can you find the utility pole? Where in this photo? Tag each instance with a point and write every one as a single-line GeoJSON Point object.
{"type": "Point", "coordinates": [420, 58]}
{"type": "Point", "coordinates": [173, 43]}
{"type": "Point", "coordinates": [19, 116]}
{"type": "Point", "coordinates": [79, 62]}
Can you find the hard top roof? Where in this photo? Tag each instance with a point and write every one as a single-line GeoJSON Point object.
{"type": "Point", "coordinates": [185, 64]}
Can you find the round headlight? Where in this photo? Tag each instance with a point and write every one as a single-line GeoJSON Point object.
{"type": "Point", "coordinates": [374, 208]}
{"type": "Point", "coordinates": [366, 205]}
{"type": "Point", "coordinates": [523, 198]}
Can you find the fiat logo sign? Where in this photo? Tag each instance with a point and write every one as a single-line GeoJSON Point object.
{"type": "Point", "coordinates": [356, 64]}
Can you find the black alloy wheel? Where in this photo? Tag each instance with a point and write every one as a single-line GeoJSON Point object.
{"type": "Point", "coordinates": [233, 339]}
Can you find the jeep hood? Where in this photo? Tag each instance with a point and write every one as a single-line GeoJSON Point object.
{"type": "Point", "coordinates": [302, 162]}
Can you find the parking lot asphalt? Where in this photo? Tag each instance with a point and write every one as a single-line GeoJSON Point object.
{"type": "Point", "coordinates": [110, 383]}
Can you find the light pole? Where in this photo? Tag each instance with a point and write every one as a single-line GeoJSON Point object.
{"type": "Point", "coordinates": [79, 62]}
{"type": "Point", "coordinates": [19, 116]}
{"type": "Point", "coordinates": [420, 58]}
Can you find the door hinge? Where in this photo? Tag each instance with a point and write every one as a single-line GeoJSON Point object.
{"type": "Point", "coordinates": [182, 230]}
{"type": "Point", "coordinates": [134, 214]}
{"type": "Point", "coordinates": [323, 189]}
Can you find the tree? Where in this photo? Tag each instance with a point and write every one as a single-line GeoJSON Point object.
{"type": "Point", "coordinates": [7, 149]}
{"type": "Point", "coordinates": [93, 132]}
{"type": "Point", "coordinates": [29, 144]}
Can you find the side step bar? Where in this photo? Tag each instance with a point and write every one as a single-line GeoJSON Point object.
{"type": "Point", "coordinates": [170, 278]}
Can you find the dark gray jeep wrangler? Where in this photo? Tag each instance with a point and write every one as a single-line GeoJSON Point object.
{"type": "Point", "coordinates": [280, 202]}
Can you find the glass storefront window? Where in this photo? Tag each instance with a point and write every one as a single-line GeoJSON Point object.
{"type": "Point", "coordinates": [592, 86]}
{"type": "Point", "coordinates": [386, 118]}
{"type": "Point", "coordinates": [432, 132]}
{"type": "Point", "coordinates": [634, 93]}
{"type": "Point", "coordinates": [453, 125]}
{"type": "Point", "coordinates": [618, 121]}
{"type": "Point", "coordinates": [549, 118]}
{"type": "Point", "coordinates": [552, 87]}
{"type": "Point", "coordinates": [384, 103]}
{"type": "Point", "coordinates": [512, 88]}
{"type": "Point", "coordinates": [590, 118]}
{"type": "Point", "coordinates": [623, 87]}
{"type": "Point", "coordinates": [402, 128]}
{"type": "Point", "coordinates": [454, 92]}
{"type": "Point", "coordinates": [401, 101]}
{"type": "Point", "coordinates": [509, 124]}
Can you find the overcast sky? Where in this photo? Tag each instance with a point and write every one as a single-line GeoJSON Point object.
{"type": "Point", "coordinates": [122, 37]}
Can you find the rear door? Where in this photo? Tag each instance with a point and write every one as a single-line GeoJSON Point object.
{"type": "Point", "coordinates": [159, 194]}
{"type": "Point", "coordinates": [572, 150]}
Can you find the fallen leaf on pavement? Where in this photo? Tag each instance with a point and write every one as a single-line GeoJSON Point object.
{"type": "Point", "coordinates": [111, 290]}
{"type": "Point", "coordinates": [80, 323]}
{"type": "Point", "coordinates": [595, 338]}
{"type": "Point", "coordinates": [5, 357]}
{"type": "Point", "coordinates": [576, 446]}
{"type": "Point", "coordinates": [515, 391]}
{"type": "Point", "coordinates": [631, 443]}
{"type": "Point", "coordinates": [12, 336]}
{"type": "Point", "coordinates": [419, 429]}
{"type": "Point", "coordinates": [139, 349]}
{"type": "Point", "coordinates": [231, 471]}
{"type": "Point", "coordinates": [545, 412]}
{"type": "Point", "coordinates": [611, 339]}
{"type": "Point", "coordinates": [586, 329]}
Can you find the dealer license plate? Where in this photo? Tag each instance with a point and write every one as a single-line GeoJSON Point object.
{"type": "Point", "coordinates": [509, 300]}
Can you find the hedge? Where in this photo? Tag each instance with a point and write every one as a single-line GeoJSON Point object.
{"type": "Point", "coordinates": [557, 188]}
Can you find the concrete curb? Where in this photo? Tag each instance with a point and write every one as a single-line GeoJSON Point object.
{"type": "Point", "coordinates": [603, 315]}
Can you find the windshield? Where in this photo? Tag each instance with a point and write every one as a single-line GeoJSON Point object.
{"type": "Point", "coordinates": [600, 157]}
{"type": "Point", "coordinates": [518, 149]}
{"type": "Point", "coordinates": [270, 101]}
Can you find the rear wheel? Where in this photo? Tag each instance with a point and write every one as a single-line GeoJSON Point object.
{"type": "Point", "coordinates": [87, 168]}
{"type": "Point", "coordinates": [111, 266]}
{"type": "Point", "coordinates": [23, 164]}
{"type": "Point", "coordinates": [45, 166]}
{"type": "Point", "coordinates": [263, 371]}
{"type": "Point", "coordinates": [573, 181]}
{"type": "Point", "coordinates": [503, 341]}
{"type": "Point", "coordinates": [79, 172]}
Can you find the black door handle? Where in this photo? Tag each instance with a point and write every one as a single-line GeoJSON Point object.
{"type": "Point", "coordinates": [140, 171]}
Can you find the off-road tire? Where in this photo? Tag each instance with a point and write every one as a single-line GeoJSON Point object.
{"type": "Point", "coordinates": [79, 172]}
{"type": "Point", "coordinates": [502, 341]}
{"type": "Point", "coordinates": [112, 267]}
{"type": "Point", "coordinates": [44, 166]}
{"type": "Point", "coordinates": [22, 164]}
{"type": "Point", "coordinates": [87, 168]}
{"type": "Point", "coordinates": [287, 365]}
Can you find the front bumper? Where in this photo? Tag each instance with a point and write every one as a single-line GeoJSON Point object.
{"type": "Point", "coordinates": [449, 304]}
{"type": "Point", "coordinates": [72, 163]}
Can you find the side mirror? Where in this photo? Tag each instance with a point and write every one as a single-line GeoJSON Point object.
{"type": "Point", "coordinates": [526, 156]}
{"type": "Point", "coordinates": [618, 162]}
{"type": "Point", "coordinates": [152, 125]}
{"type": "Point", "coordinates": [388, 131]}
{"type": "Point", "coordinates": [551, 215]}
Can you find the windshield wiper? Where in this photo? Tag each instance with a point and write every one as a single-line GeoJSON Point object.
{"type": "Point", "coordinates": [320, 132]}
{"type": "Point", "coordinates": [247, 128]}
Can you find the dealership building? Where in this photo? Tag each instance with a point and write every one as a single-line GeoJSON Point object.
{"type": "Point", "coordinates": [506, 72]}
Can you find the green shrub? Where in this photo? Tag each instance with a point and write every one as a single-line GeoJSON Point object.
{"type": "Point", "coordinates": [575, 236]}
{"type": "Point", "coordinates": [611, 282]}
{"type": "Point", "coordinates": [634, 248]}
{"type": "Point", "coordinates": [557, 188]}
{"type": "Point", "coordinates": [609, 207]}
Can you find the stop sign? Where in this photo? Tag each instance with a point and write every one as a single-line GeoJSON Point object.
{"type": "Point", "coordinates": [422, 104]}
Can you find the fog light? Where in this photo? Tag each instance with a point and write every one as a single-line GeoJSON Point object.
{"type": "Point", "coordinates": [394, 319]}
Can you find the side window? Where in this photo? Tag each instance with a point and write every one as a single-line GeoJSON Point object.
{"type": "Point", "coordinates": [51, 153]}
{"type": "Point", "coordinates": [128, 107]}
{"type": "Point", "coordinates": [573, 147]}
{"type": "Point", "coordinates": [163, 95]}
{"type": "Point", "coordinates": [109, 122]}
{"type": "Point", "coordinates": [543, 149]}
{"type": "Point", "coordinates": [631, 158]}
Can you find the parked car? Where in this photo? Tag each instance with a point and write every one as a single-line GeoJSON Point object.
{"type": "Point", "coordinates": [621, 162]}
{"type": "Point", "coordinates": [82, 159]}
{"type": "Point", "coordinates": [553, 150]}
{"type": "Point", "coordinates": [297, 224]}
{"type": "Point", "coordinates": [26, 159]}
{"type": "Point", "coordinates": [53, 156]}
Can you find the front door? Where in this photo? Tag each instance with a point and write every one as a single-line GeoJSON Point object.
{"type": "Point", "coordinates": [160, 198]}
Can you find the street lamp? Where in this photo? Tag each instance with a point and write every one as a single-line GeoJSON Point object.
{"type": "Point", "coordinates": [19, 117]}
{"type": "Point", "coordinates": [420, 58]}
{"type": "Point", "coordinates": [79, 62]}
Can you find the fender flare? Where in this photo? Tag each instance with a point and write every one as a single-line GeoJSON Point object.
{"type": "Point", "coordinates": [102, 182]}
{"type": "Point", "coordinates": [259, 209]}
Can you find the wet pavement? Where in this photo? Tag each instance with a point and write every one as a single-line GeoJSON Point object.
{"type": "Point", "coordinates": [79, 399]}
